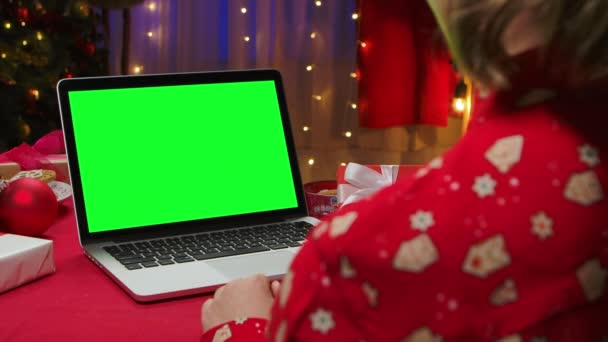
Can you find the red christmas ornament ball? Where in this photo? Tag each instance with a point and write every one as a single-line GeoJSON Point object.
{"type": "Point", "coordinates": [90, 49]}
{"type": "Point", "coordinates": [87, 48]}
{"type": "Point", "coordinates": [23, 14]}
{"type": "Point", "coordinates": [27, 207]}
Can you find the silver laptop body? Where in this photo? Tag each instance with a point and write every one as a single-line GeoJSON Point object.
{"type": "Point", "coordinates": [167, 139]}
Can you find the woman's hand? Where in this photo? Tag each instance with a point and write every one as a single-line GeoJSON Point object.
{"type": "Point", "coordinates": [242, 298]}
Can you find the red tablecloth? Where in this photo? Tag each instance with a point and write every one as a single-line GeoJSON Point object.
{"type": "Point", "coordinates": [80, 303]}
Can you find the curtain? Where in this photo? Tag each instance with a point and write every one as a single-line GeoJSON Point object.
{"type": "Point", "coordinates": [313, 44]}
{"type": "Point", "coordinates": [406, 75]}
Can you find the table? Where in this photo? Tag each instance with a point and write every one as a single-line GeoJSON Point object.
{"type": "Point", "coordinates": [80, 303]}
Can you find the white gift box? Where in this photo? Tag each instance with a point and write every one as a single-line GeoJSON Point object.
{"type": "Point", "coordinates": [23, 259]}
{"type": "Point", "coordinates": [356, 181]}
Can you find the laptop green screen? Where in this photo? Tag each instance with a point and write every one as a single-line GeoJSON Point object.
{"type": "Point", "coordinates": [157, 155]}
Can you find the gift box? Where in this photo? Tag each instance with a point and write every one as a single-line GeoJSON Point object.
{"type": "Point", "coordinates": [23, 259]}
{"type": "Point", "coordinates": [47, 153]}
{"type": "Point", "coordinates": [59, 161]}
{"type": "Point", "coordinates": [356, 181]}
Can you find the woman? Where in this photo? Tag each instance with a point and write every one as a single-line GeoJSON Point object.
{"type": "Point", "coordinates": [505, 237]}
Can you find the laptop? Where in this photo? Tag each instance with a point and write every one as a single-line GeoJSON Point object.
{"type": "Point", "coordinates": [183, 182]}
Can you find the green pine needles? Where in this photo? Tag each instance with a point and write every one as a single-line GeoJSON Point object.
{"type": "Point", "coordinates": [42, 42]}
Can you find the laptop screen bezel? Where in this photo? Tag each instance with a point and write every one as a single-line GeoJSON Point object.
{"type": "Point", "coordinates": [186, 227]}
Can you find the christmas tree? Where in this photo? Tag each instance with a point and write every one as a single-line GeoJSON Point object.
{"type": "Point", "coordinates": [41, 43]}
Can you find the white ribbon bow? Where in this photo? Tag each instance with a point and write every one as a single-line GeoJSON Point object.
{"type": "Point", "coordinates": [362, 181]}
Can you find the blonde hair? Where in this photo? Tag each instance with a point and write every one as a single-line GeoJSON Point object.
{"type": "Point", "coordinates": [573, 51]}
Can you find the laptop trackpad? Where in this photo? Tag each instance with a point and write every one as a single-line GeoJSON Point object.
{"type": "Point", "coordinates": [270, 264]}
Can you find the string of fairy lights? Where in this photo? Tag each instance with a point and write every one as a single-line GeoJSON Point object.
{"type": "Point", "coordinates": [311, 67]}
{"type": "Point", "coordinates": [460, 105]}
{"type": "Point", "coordinates": [38, 36]}
{"type": "Point", "coordinates": [150, 33]}
{"type": "Point", "coordinates": [351, 105]}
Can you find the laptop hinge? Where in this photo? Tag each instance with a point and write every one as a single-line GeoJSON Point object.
{"type": "Point", "coordinates": [292, 217]}
{"type": "Point", "coordinates": [136, 236]}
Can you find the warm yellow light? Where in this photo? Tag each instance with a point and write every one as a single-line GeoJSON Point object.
{"type": "Point", "coordinates": [311, 161]}
{"type": "Point", "coordinates": [39, 35]}
{"type": "Point", "coordinates": [309, 67]}
{"type": "Point", "coordinates": [363, 44]}
{"type": "Point", "coordinates": [23, 23]}
{"type": "Point", "coordinates": [24, 42]}
{"type": "Point", "coordinates": [353, 74]}
{"type": "Point", "coordinates": [138, 69]}
{"type": "Point", "coordinates": [317, 97]}
{"type": "Point", "coordinates": [27, 129]}
{"type": "Point", "coordinates": [246, 38]}
{"type": "Point", "coordinates": [353, 105]}
{"type": "Point", "coordinates": [152, 6]}
{"type": "Point", "coordinates": [343, 163]}
{"type": "Point", "coordinates": [3, 55]}
{"type": "Point", "coordinates": [355, 16]}
{"type": "Point", "coordinates": [7, 25]}
{"type": "Point", "coordinates": [318, 3]}
{"type": "Point", "coordinates": [35, 93]}
{"type": "Point", "coordinates": [459, 105]}
{"type": "Point", "coordinates": [348, 134]}
{"type": "Point", "coordinates": [150, 34]}
{"type": "Point", "coordinates": [313, 35]}
{"type": "Point", "coordinates": [243, 10]}
{"type": "Point", "coordinates": [306, 128]}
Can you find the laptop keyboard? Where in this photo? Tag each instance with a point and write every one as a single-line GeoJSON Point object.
{"type": "Point", "coordinates": [189, 248]}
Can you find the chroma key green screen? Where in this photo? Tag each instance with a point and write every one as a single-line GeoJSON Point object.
{"type": "Point", "coordinates": [157, 155]}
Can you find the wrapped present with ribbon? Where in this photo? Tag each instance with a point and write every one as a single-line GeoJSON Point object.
{"type": "Point", "coordinates": [356, 181]}
{"type": "Point", "coordinates": [48, 153]}
{"type": "Point", "coordinates": [23, 259]}
{"type": "Point", "coordinates": [45, 161]}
